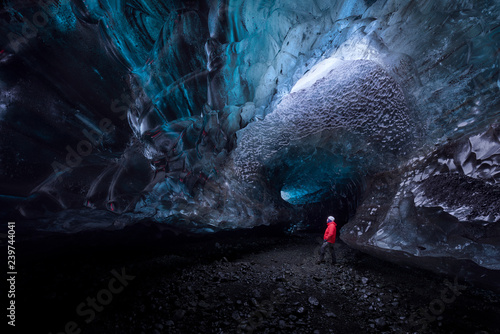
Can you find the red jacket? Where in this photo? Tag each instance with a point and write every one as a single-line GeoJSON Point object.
{"type": "Point", "coordinates": [330, 232]}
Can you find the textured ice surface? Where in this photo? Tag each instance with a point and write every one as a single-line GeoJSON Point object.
{"type": "Point", "coordinates": [471, 167]}
{"type": "Point", "coordinates": [352, 121]}
{"type": "Point", "coordinates": [445, 206]}
{"type": "Point", "coordinates": [238, 113]}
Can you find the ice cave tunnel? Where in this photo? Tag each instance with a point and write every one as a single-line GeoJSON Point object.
{"type": "Point", "coordinates": [205, 116]}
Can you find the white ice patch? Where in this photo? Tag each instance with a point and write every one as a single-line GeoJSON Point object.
{"type": "Point", "coordinates": [484, 147]}
{"type": "Point", "coordinates": [465, 123]}
{"type": "Point", "coordinates": [318, 72]}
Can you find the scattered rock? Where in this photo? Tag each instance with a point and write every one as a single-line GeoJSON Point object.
{"type": "Point", "coordinates": [313, 301]}
{"type": "Point", "coordinates": [380, 322]}
{"type": "Point", "coordinates": [259, 297]}
{"type": "Point", "coordinates": [179, 314]}
{"type": "Point", "coordinates": [204, 304]}
{"type": "Point", "coordinates": [236, 315]}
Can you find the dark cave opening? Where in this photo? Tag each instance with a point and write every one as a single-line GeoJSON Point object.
{"type": "Point", "coordinates": [316, 183]}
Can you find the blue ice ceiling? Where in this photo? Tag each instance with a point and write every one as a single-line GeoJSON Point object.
{"type": "Point", "coordinates": [225, 114]}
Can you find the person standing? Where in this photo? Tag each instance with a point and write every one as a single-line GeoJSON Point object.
{"type": "Point", "coordinates": [329, 241]}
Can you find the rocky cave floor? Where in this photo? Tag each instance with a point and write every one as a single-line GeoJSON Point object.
{"type": "Point", "coordinates": [251, 282]}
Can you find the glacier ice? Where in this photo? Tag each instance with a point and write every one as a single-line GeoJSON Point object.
{"type": "Point", "coordinates": [224, 114]}
{"type": "Point", "coordinates": [439, 212]}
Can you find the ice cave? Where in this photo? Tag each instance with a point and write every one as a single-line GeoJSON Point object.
{"type": "Point", "coordinates": [182, 137]}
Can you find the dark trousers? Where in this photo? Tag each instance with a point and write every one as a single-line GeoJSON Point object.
{"type": "Point", "coordinates": [322, 251]}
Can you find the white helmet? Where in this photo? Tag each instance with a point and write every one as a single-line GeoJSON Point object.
{"type": "Point", "coordinates": [331, 218]}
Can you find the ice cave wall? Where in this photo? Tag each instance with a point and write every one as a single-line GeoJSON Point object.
{"type": "Point", "coordinates": [224, 114]}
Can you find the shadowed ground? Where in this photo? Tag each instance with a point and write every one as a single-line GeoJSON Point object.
{"type": "Point", "coordinates": [259, 281]}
